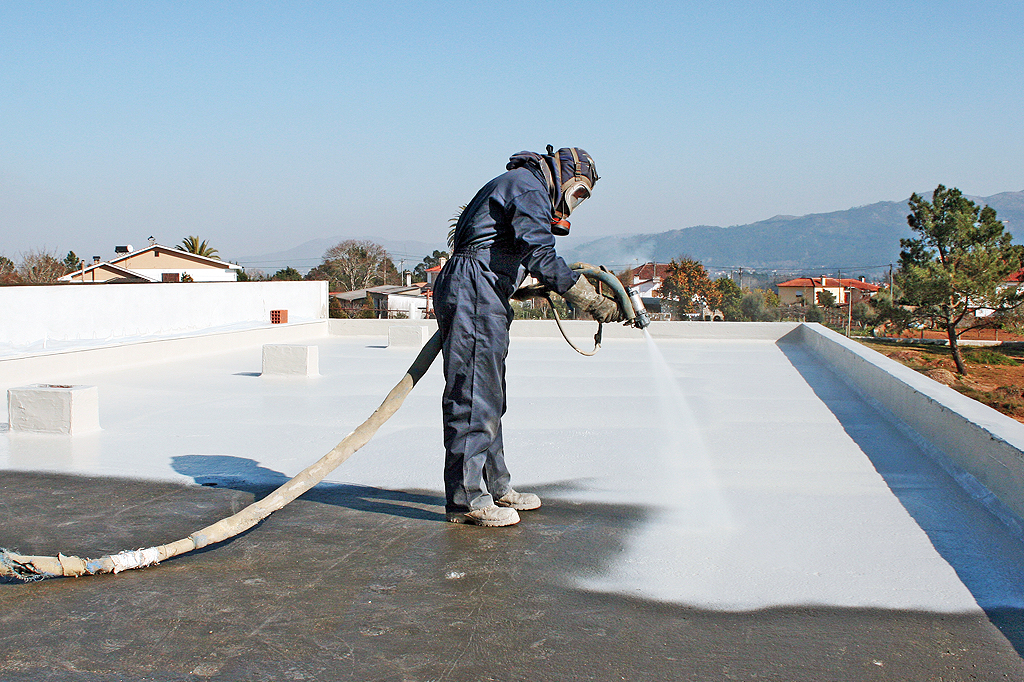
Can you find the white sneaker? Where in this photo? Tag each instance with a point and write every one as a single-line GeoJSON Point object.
{"type": "Point", "coordinates": [485, 516]}
{"type": "Point", "coordinates": [520, 501]}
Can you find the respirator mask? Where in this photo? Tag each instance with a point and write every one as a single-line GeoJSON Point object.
{"type": "Point", "coordinates": [571, 176]}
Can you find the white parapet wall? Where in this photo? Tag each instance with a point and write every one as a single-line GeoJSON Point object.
{"type": "Point", "coordinates": [40, 318]}
{"type": "Point", "coordinates": [987, 445]}
{"type": "Point", "coordinates": [55, 333]}
{"type": "Point", "coordinates": [583, 330]}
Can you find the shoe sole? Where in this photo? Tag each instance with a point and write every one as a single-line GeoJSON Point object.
{"type": "Point", "coordinates": [473, 521]}
{"type": "Point", "coordinates": [518, 507]}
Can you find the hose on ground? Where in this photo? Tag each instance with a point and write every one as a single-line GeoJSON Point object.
{"type": "Point", "coordinates": [23, 567]}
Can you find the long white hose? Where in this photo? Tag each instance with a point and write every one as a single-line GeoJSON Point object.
{"type": "Point", "coordinates": [24, 567]}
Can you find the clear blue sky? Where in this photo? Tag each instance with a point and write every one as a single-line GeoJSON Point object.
{"type": "Point", "coordinates": [261, 125]}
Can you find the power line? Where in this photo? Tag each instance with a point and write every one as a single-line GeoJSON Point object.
{"type": "Point", "coordinates": [749, 268]}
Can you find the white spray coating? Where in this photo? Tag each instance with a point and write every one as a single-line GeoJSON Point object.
{"type": "Point", "coordinates": [686, 480]}
{"type": "Point", "coordinates": [135, 559]}
{"type": "Point", "coordinates": [769, 502]}
{"type": "Point", "coordinates": [752, 492]}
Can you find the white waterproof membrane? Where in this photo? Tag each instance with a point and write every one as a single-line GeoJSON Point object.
{"type": "Point", "coordinates": [750, 474]}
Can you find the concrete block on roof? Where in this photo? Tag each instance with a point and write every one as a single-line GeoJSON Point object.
{"type": "Point", "coordinates": [408, 335]}
{"type": "Point", "coordinates": [291, 360]}
{"type": "Point", "coordinates": [54, 408]}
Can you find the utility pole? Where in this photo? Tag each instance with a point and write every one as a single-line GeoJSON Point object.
{"type": "Point", "coordinates": [849, 314]}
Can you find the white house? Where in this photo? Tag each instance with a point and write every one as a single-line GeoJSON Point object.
{"type": "Point", "coordinates": [155, 263]}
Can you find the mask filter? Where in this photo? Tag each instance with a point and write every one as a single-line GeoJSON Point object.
{"type": "Point", "coordinates": [560, 227]}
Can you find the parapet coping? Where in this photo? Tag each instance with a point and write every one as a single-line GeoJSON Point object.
{"type": "Point", "coordinates": [978, 446]}
{"type": "Point", "coordinates": [585, 330]}
{"type": "Point", "coordinates": [59, 364]}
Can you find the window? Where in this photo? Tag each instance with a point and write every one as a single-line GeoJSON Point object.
{"type": "Point", "coordinates": [170, 277]}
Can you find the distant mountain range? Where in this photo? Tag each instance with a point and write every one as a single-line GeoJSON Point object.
{"type": "Point", "coordinates": [858, 240]}
{"type": "Point", "coordinates": [862, 239]}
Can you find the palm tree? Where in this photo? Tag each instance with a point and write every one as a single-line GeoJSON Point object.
{"type": "Point", "coordinates": [453, 222]}
{"type": "Point", "coordinates": [193, 245]}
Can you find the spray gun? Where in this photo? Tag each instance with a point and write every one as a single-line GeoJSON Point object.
{"type": "Point", "coordinates": [634, 313]}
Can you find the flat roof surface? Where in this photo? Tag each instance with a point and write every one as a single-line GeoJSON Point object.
{"type": "Point", "coordinates": [713, 509]}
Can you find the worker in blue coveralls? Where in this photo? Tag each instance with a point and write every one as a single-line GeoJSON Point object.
{"type": "Point", "coordinates": [511, 222]}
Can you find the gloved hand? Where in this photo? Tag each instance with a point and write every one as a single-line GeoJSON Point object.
{"type": "Point", "coordinates": [583, 295]}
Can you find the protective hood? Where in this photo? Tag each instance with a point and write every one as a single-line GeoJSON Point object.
{"type": "Point", "coordinates": [570, 175]}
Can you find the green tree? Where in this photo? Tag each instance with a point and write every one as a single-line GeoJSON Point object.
{"type": "Point", "coordinates": [8, 271]}
{"type": "Point", "coordinates": [957, 263]}
{"type": "Point", "coordinates": [826, 299]}
{"type": "Point", "coordinates": [200, 248]}
{"type": "Point", "coordinates": [254, 275]}
{"type": "Point", "coordinates": [72, 262]}
{"type": "Point", "coordinates": [862, 313]}
{"type": "Point", "coordinates": [364, 311]}
{"type": "Point", "coordinates": [541, 309]}
{"type": "Point", "coordinates": [287, 274]}
{"type": "Point", "coordinates": [731, 295]}
{"type": "Point", "coordinates": [687, 287]}
{"type": "Point", "coordinates": [355, 264]}
{"type": "Point", "coordinates": [815, 314]}
{"type": "Point", "coordinates": [419, 273]}
{"type": "Point", "coordinates": [759, 306]}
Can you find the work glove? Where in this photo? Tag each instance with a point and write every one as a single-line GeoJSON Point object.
{"type": "Point", "coordinates": [584, 296]}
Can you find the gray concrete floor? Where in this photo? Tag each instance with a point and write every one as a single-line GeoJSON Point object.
{"type": "Point", "coordinates": [713, 510]}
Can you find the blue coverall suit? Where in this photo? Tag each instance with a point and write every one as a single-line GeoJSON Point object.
{"type": "Point", "coordinates": [507, 224]}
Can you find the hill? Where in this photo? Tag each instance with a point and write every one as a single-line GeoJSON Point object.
{"type": "Point", "coordinates": [862, 238]}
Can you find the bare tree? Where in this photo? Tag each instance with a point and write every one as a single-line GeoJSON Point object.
{"type": "Point", "coordinates": [41, 267]}
{"type": "Point", "coordinates": [355, 264]}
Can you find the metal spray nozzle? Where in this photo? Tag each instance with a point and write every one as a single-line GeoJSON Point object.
{"type": "Point", "coordinates": [641, 319]}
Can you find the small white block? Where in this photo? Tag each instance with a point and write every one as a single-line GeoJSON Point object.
{"type": "Point", "coordinates": [52, 408]}
{"type": "Point", "coordinates": [408, 335]}
{"type": "Point", "coordinates": [291, 360]}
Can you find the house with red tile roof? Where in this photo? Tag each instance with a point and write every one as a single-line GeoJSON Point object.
{"type": "Point", "coordinates": [805, 290]}
{"type": "Point", "coordinates": [648, 277]}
